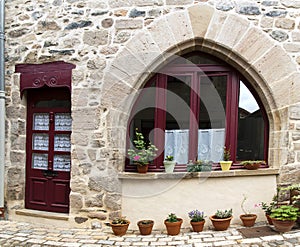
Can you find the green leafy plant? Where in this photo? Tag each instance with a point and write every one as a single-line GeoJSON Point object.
{"type": "Point", "coordinates": [223, 214]}
{"type": "Point", "coordinates": [172, 218]}
{"type": "Point", "coordinates": [199, 165]}
{"type": "Point", "coordinates": [285, 212]}
{"type": "Point", "coordinates": [169, 158]}
{"type": "Point", "coordinates": [267, 207]}
{"type": "Point", "coordinates": [247, 162]}
{"type": "Point", "coordinates": [142, 154]}
{"type": "Point", "coordinates": [226, 154]}
{"type": "Point", "coordinates": [120, 221]}
{"type": "Point", "coordinates": [196, 215]}
{"type": "Point", "coordinates": [146, 222]}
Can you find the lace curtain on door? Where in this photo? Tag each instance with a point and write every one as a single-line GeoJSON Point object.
{"type": "Point", "coordinates": [210, 144]}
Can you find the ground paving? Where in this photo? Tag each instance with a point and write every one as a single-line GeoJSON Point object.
{"type": "Point", "coordinates": [25, 234]}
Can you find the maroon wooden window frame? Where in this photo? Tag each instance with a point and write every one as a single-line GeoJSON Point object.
{"type": "Point", "coordinates": [232, 102]}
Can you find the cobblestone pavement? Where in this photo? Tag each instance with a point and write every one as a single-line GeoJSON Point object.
{"type": "Point", "coordinates": [24, 234]}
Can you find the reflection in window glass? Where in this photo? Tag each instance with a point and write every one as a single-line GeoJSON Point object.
{"type": "Point", "coordinates": [250, 127]}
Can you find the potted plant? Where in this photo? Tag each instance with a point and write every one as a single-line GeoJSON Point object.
{"type": "Point", "coordinates": [284, 217]}
{"type": "Point", "coordinates": [197, 220]}
{"type": "Point", "coordinates": [145, 226]}
{"type": "Point", "coordinates": [247, 218]}
{"type": "Point", "coordinates": [169, 164]}
{"type": "Point", "coordinates": [252, 164]}
{"type": "Point", "coordinates": [173, 224]}
{"type": "Point", "coordinates": [221, 219]}
{"type": "Point", "coordinates": [119, 226]}
{"type": "Point", "coordinates": [200, 166]}
{"type": "Point", "coordinates": [142, 154]}
{"type": "Point", "coordinates": [226, 162]}
{"type": "Point", "coordinates": [268, 208]}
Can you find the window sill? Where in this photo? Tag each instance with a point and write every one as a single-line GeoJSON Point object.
{"type": "Point", "coordinates": [189, 175]}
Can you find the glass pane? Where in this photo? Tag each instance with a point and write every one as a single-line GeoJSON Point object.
{"type": "Point", "coordinates": [53, 104]}
{"type": "Point", "coordinates": [212, 117]}
{"type": "Point", "coordinates": [143, 113]}
{"type": "Point", "coordinates": [62, 163]}
{"type": "Point", "coordinates": [63, 122]}
{"type": "Point", "coordinates": [40, 161]}
{"type": "Point", "coordinates": [62, 143]}
{"type": "Point", "coordinates": [40, 142]}
{"type": "Point", "coordinates": [250, 127]}
{"type": "Point", "coordinates": [178, 118]}
{"type": "Point", "coordinates": [40, 121]}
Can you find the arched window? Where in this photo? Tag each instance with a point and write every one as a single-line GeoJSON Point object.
{"type": "Point", "coordinates": [195, 106]}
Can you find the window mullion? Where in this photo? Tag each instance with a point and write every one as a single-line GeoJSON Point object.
{"type": "Point", "coordinates": [160, 118]}
{"type": "Point", "coordinates": [194, 116]}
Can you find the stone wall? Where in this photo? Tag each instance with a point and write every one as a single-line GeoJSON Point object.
{"type": "Point", "coordinates": [94, 34]}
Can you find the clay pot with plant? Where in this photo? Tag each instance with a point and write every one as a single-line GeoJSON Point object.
{"type": "Point", "coordinates": [284, 217]}
{"type": "Point", "coordinates": [145, 226]}
{"type": "Point", "coordinates": [252, 164]}
{"type": "Point", "coordinates": [119, 226]}
{"type": "Point", "coordinates": [247, 218]}
{"type": "Point", "coordinates": [173, 224]}
{"type": "Point", "coordinates": [221, 219]}
{"type": "Point", "coordinates": [197, 220]}
{"type": "Point", "coordinates": [142, 153]}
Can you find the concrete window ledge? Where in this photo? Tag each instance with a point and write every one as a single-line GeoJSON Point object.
{"type": "Point", "coordinates": [190, 175]}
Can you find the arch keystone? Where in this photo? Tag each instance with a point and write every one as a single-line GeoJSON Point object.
{"type": "Point", "coordinates": [200, 17]}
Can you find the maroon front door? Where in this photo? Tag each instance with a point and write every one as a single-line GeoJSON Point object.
{"type": "Point", "coordinates": [48, 149]}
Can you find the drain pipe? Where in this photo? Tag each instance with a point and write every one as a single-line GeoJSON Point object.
{"type": "Point", "coordinates": [2, 106]}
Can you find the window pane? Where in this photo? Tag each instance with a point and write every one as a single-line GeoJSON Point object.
{"type": "Point", "coordinates": [40, 161]}
{"type": "Point", "coordinates": [250, 127]}
{"type": "Point", "coordinates": [40, 141]}
{"type": "Point", "coordinates": [211, 134]}
{"type": "Point", "coordinates": [54, 103]}
{"type": "Point", "coordinates": [62, 143]}
{"type": "Point", "coordinates": [63, 122]}
{"type": "Point", "coordinates": [62, 163]}
{"type": "Point", "coordinates": [143, 113]}
{"type": "Point", "coordinates": [178, 118]}
{"type": "Point", "coordinates": [40, 121]}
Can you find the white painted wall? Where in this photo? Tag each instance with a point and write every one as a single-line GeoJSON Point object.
{"type": "Point", "coordinates": [156, 198]}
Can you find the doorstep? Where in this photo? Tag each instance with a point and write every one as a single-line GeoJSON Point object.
{"type": "Point", "coordinates": [42, 214]}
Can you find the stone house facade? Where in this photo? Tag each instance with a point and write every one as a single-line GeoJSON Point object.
{"type": "Point", "coordinates": [113, 48]}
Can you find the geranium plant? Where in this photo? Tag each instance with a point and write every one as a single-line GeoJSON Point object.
{"type": "Point", "coordinates": [143, 153]}
{"type": "Point", "coordinates": [196, 215]}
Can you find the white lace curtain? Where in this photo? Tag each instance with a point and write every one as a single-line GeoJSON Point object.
{"type": "Point", "coordinates": [210, 144]}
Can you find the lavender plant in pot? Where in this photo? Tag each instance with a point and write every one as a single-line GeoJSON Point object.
{"type": "Point", "coordinates": [197, 220]}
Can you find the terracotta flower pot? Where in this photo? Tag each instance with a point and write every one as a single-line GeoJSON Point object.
{"type": "Point", "coordinates": [142, 168]}
{"type": "Point", "coordinates": [252, 166]}
{"type": "Point", "coordinates": [220, 224]}
{"type": "Point", "coordinates": [248, 219]}
{"type": "Point", "coordinates": [283, 225]}
{"type": "Point", "coordinates": [145, 226]}
{"type": "Point", "coordinates": [173, 228]}
{"type": "Point", "coordinates": [119, 229]}
{"type": "Point", "coordinates": [197, 226]}
{"type": "Point", "coordinates": [269, 219]}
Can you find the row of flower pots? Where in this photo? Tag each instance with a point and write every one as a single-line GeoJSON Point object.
{"type": "Point", "coordinates": [283, 218]}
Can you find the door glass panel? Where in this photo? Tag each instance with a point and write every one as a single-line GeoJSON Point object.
{"type": "Point", "coordinates": [62, 163]}
{"type": "Point", "coordinates": [40, 161]}
{"type": "Point", "coordinates": [40, 142]}
{"type": "Point", "coordinates": [211, 133]}
{"type": "Point", "coordinates": [63, 122]}
{"type": "Point", "coordinates": [250, 127]}
{"type": "Point", "coordinates": [178, 118]}
{"type": "Point", "coordinates": [40, 121]}
{"type": "Point", "coordinates": [62, 143]}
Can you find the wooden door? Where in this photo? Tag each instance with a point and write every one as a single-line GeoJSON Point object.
{"type": "Point", "coordinates": [48, 161]}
